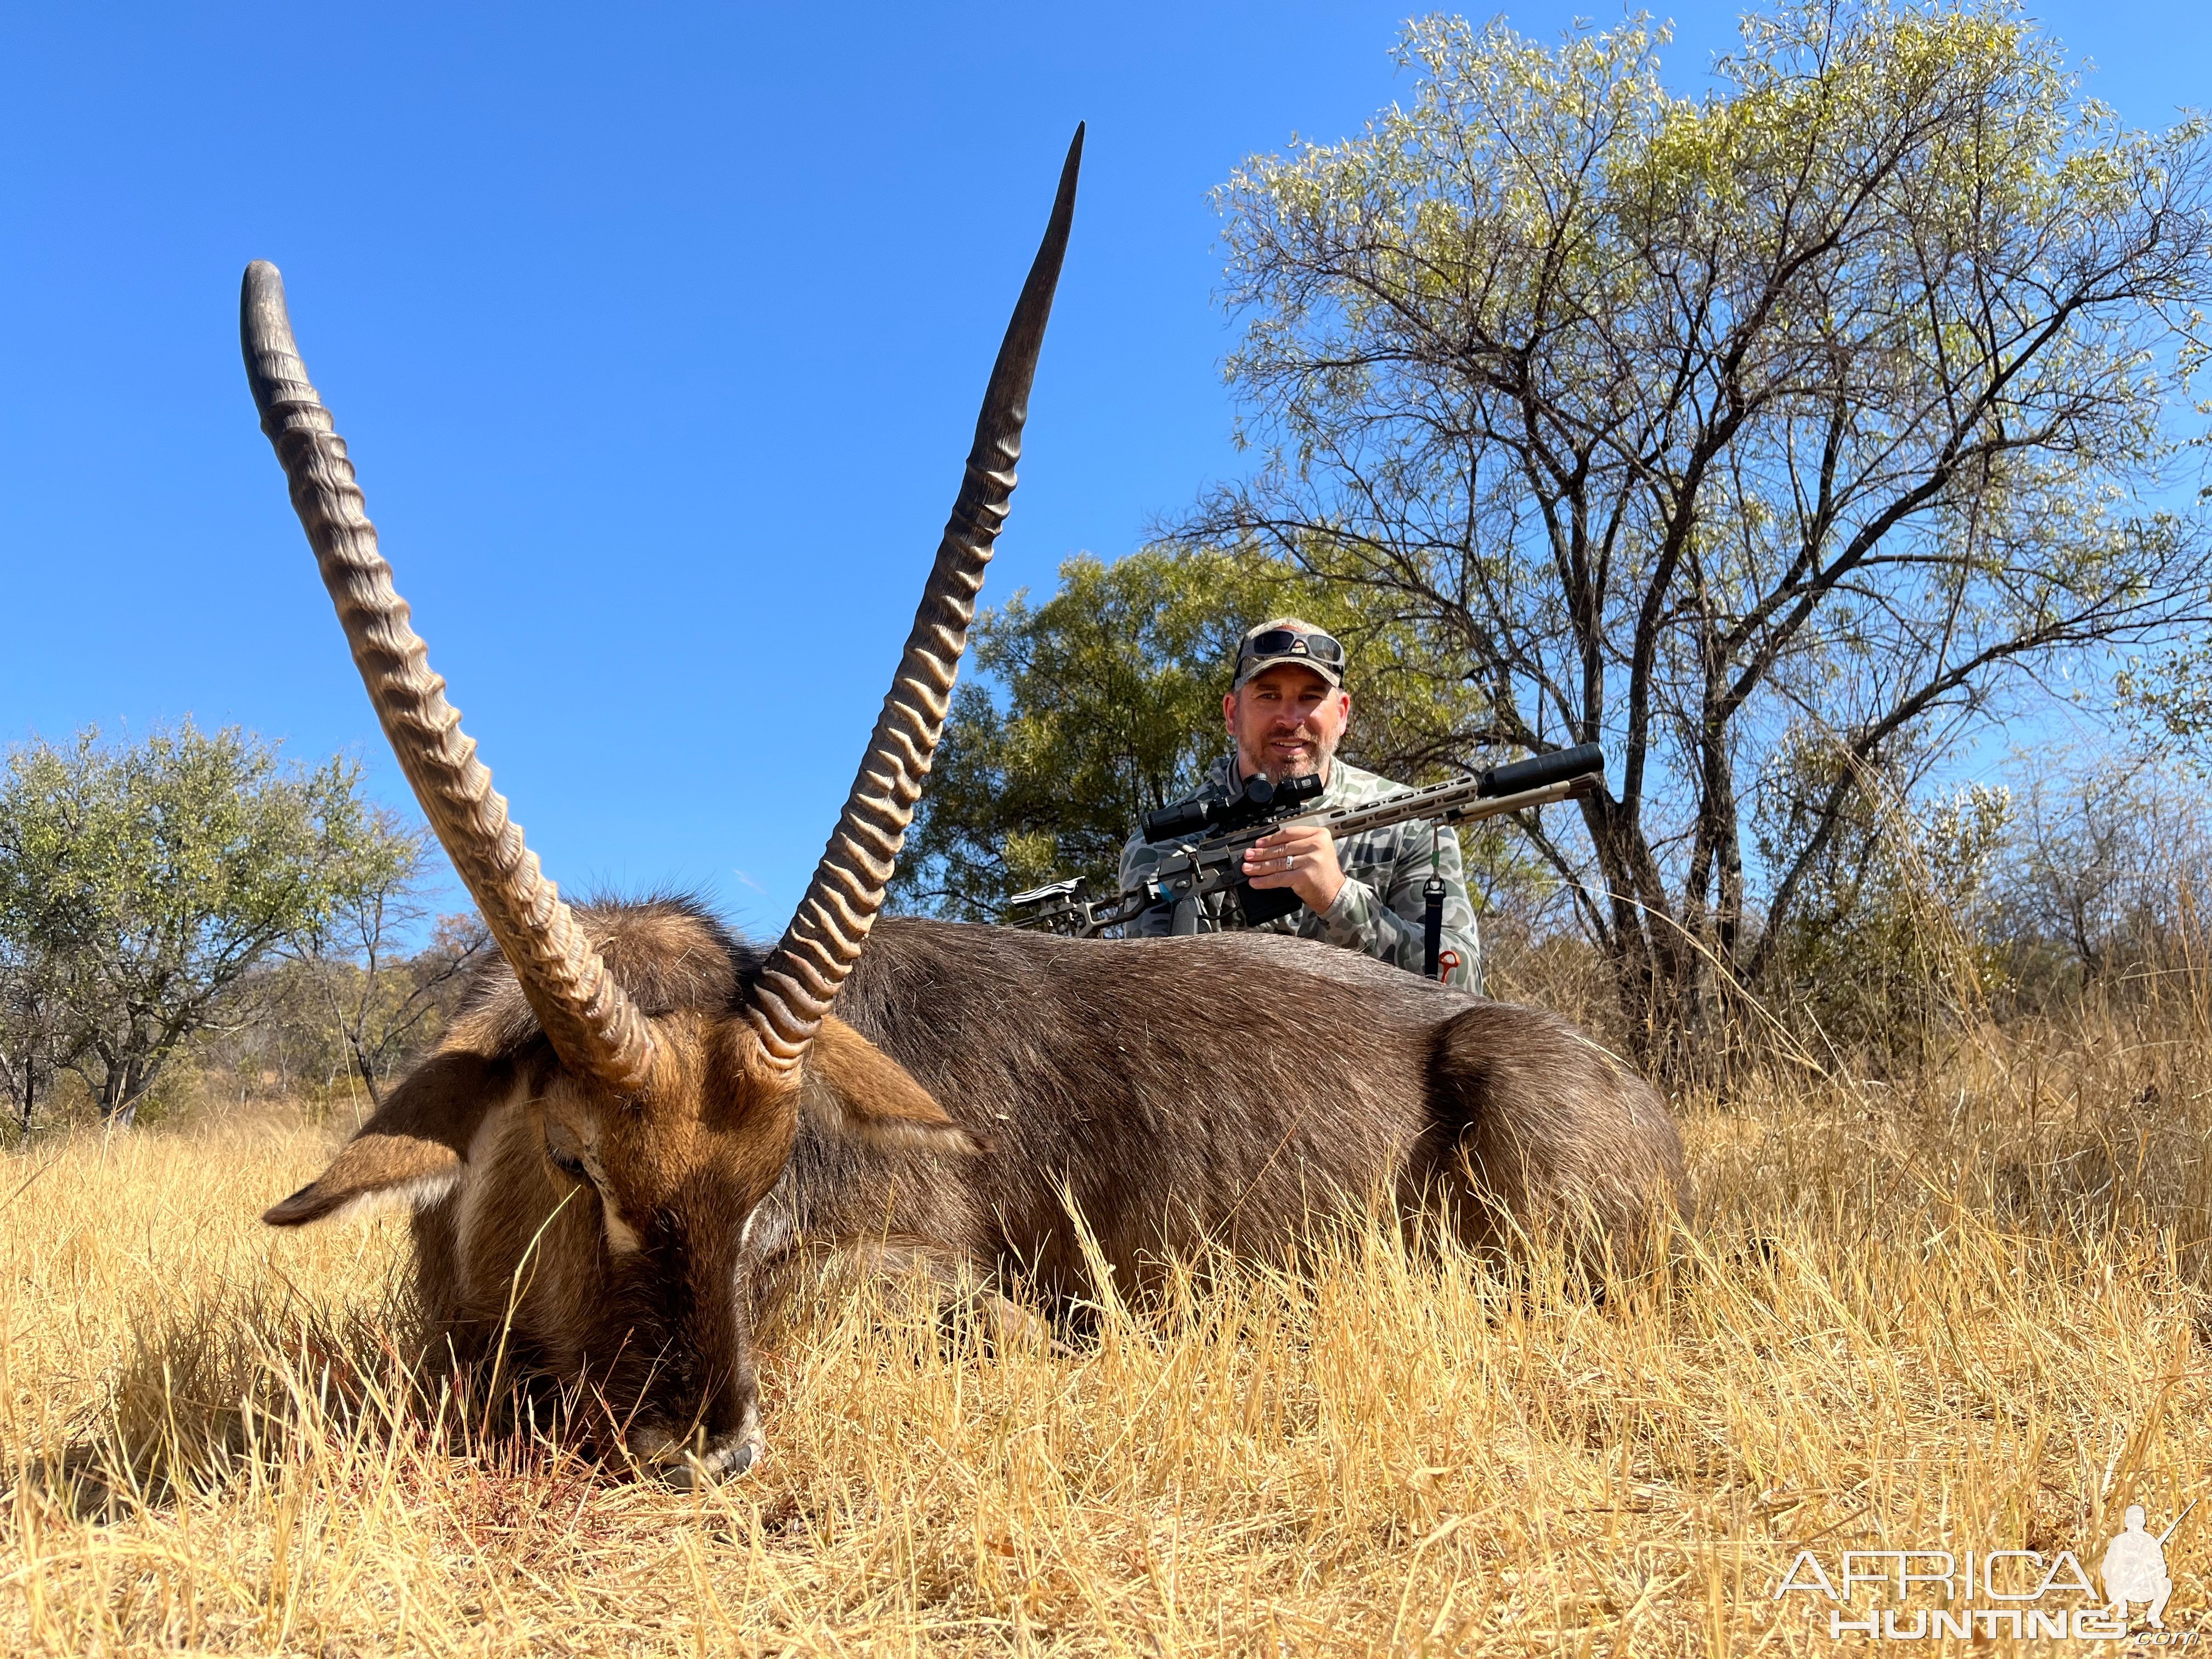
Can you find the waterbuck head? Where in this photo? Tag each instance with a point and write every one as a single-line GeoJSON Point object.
{"type": "Point", "coordinates": [621, 1091]}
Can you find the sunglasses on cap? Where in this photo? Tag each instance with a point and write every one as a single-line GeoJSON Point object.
{"type": "Point", "coordinates": [1289, 643]}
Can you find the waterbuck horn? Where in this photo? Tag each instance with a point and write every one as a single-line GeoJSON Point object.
{"type": "Point", "coordinates": [819, 948]}
{"type": "Point", "coordinates": [592, 1025]}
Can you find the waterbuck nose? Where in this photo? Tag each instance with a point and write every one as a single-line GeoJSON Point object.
{"type": "Point", "coordinates": [708, 1459]}
{"type": "Point", "coordinates": [732, 1455]}
{"type": "Point", "coordinates": [704, 1458]}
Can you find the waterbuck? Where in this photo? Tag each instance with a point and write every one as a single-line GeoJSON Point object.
{"type": "Point", "coordinates": [639, 1121]}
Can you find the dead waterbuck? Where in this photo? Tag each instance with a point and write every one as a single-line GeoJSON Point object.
{"type": "Point", "coordinates": [639, 1122]}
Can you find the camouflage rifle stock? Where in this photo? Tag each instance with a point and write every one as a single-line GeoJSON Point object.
{"type": "Point", "coordinates": [1209, 841]}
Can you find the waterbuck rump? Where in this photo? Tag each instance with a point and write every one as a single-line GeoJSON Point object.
{"type": "Point", "coordinates": [638, 1125]}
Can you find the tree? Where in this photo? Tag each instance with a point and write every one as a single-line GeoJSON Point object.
{"type": "Point", "coordinates": [1831, 410]}
{"type": "Point", "coordinates": [141, 884]}
{"type": "Point", "coordinates": [2106, 858]}
{"type": "Point", "coordinates": [34, 1035]}
{"type": "Point", "coordinates": [376, 903]}
{"type": "Point", "coordinates": [1104, 702]}
{"type": "Point", "coordinates": [1892, 937]}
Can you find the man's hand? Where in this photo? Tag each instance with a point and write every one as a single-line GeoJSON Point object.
{"type": "Point", "coordinates": [1302, 858]}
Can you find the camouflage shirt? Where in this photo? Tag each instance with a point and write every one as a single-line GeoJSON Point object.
{"type": "Point", "coordinates": [1380, 909]}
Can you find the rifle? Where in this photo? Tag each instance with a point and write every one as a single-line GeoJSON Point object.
{"type": "Point", "coordinates": [1207, 842]}
{"type": "Point", "coordinates": [2177, 1520]}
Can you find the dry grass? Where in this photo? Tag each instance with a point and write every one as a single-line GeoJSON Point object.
{"type": "Point", "coordinates": [1963, 1311]}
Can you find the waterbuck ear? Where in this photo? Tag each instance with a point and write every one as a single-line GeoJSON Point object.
{"type": "Point", "coordinates": [410, 1151]}
{"type": "Point", "coordinates": [854, 1089]}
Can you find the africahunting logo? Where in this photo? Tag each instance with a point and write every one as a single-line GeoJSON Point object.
{"type": "Point", "coordinates": [2015, 1593]}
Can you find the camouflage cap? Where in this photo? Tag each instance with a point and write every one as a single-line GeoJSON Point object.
{"type": "Point", "coordinates": [1292, 640]}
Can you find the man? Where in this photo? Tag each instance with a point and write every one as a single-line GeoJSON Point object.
{"type": "Point", "coordinates": [2134, 1570]}
{"type": "Point", "coordinates": [1286, 711]}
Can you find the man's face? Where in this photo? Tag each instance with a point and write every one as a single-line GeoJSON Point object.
{"type": "Point", "coordinates": [1287, 722]}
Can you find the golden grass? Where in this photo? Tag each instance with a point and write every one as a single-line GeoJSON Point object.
{"type": "Point", "coordinates": [1963, 1311]}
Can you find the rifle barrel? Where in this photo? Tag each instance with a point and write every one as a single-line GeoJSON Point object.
{"type": "Point", "coordinates": [1461, 802]}
{"type": "Point", "coordinates": [2177, 1520]}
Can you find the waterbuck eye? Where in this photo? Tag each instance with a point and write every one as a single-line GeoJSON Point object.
{"type": "Point", "coordinates": [567, 1164]}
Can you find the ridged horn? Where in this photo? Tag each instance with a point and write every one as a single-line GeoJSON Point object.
{"type": "Point", "coordinates": [592, 1025]}
{"type": "Point", "coordinates": [824, 941]}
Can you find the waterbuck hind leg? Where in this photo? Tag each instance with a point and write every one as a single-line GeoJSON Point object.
{"type": "Point", "coordinates": [978, 1315]}
{"type": "Point", "coordinates": [1538, 1133]}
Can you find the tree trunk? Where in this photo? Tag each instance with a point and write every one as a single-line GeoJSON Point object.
{"type": "Point", "coordinates": [367, 1074]}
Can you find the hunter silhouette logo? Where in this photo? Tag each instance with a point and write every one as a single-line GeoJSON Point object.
{"type": "Point", "coordinates": [1977, 1594]}
{"type": "Point", "coordinates": [2134, 1568]}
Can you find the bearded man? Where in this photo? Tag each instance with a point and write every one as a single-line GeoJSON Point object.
{"type": "Point", "coordinates": [1286, 711]}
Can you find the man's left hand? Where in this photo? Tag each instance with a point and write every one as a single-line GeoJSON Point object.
{"type": "Point", "coordinates": [1302, 858]}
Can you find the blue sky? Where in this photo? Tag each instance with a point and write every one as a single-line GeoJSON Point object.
{"type": "Point", "coordinates": [657, 333]}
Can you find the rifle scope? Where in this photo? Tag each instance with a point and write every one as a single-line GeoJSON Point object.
{"type": "Point", "coordinates": [1260, 799]}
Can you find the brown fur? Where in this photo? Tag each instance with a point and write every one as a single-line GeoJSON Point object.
{"type": "Point", "coordinates": [1178, 1093]}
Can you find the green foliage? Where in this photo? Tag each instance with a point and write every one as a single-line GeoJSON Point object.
{"type": "Point", "coordinates": [1841, 398]}
{"type": "Point", "coordinates": [1104, 702]}
{"type": "Point", "coordinates": [141, 884]}
{"type": "Point", "coordinates": [1896, 935]}
{"type": "Point", "coordinates": [1112, 707]}
{"type": "Point", "coordinates": [2164, 695]}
